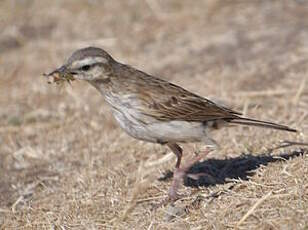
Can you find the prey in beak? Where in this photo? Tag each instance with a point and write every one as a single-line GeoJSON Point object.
{"type": "Point", "coordinates": [59, 76]}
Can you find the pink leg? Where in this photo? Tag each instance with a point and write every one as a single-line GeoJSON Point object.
{"type": "Point", "coordinates": [180, 172]}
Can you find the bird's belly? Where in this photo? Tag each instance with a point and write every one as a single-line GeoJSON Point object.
{"type": "Point", "coordinates": [177, 131]}
{"type": "Point", "coordinates": [150, 130]}
{"type": "Point", "coordinates": [132, 125]}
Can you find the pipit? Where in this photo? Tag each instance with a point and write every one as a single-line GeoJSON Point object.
{"type": "Point", "coordinates": [151, 109]}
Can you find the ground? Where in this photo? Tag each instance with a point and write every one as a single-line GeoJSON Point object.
{"type": "Point", "coordinates": [64, 162]}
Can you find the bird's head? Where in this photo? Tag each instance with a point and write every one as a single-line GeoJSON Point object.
{"type": "Point", "coordinates": [90, 64]}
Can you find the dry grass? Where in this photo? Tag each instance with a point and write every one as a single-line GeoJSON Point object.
{"type": "Point", "coordinates": [65, 164]}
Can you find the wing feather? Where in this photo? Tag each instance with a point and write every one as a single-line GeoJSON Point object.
{"type": "Point", "coordinates": [166, 101]}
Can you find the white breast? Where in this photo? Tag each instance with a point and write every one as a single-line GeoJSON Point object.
{"type": "Point", "coordinates": [147, 128]}
{"type": "Point", "coordinates": [158, 131]}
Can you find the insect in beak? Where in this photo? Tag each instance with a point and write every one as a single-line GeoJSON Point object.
{"type": "Point", "coordinates": [59, 76]}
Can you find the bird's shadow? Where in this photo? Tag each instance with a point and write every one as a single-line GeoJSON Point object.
{"type": "Point", "coordinates": [221, 171]}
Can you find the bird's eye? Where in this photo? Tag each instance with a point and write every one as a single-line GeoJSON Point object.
{"type": "Point", "coordinates": [85, 67]}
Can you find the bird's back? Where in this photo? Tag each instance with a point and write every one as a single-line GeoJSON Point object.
{"type": "Point", "coordinates": [166, 101]}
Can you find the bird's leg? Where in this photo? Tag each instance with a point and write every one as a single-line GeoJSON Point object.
{"type": "Point", "coordinates": [181, 172]}
{"type": "Point", "coordinates": [178, 151]}
{"type": "Point", "coordinates": [178, 174]}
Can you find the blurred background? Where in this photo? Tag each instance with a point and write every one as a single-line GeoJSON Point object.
{"type": "Point", "coordinates": [60, 147]}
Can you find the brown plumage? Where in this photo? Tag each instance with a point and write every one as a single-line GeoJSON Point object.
{"type": "Point", "coordinates": [151, 109]}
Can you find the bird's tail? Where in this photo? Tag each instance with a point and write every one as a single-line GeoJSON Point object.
{"type": "Point", "coordinates": [266, 124]}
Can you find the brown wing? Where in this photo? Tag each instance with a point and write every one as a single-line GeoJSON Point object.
{"type": "Point", "coordinates": [166, 101]}
{"type": "Point", "coordinates": [179, 104]}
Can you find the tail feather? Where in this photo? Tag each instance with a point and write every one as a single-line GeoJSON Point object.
{"type": "Point", "coordinates": [266, 124]}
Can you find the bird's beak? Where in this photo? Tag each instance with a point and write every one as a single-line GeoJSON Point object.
{"type": "Point", "coordinates": [60, 71]}
{"type": "Point", "coordinates": [60, 74]}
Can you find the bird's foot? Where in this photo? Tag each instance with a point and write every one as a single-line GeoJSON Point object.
{"type": "Point", "coordinates": [180, 173]}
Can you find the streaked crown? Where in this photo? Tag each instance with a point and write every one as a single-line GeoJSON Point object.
{"type": "Point", "coordinates": [87, 57]}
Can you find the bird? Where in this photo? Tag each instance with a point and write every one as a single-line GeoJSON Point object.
{"type": "Point", "coordinates": [152, 109]}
